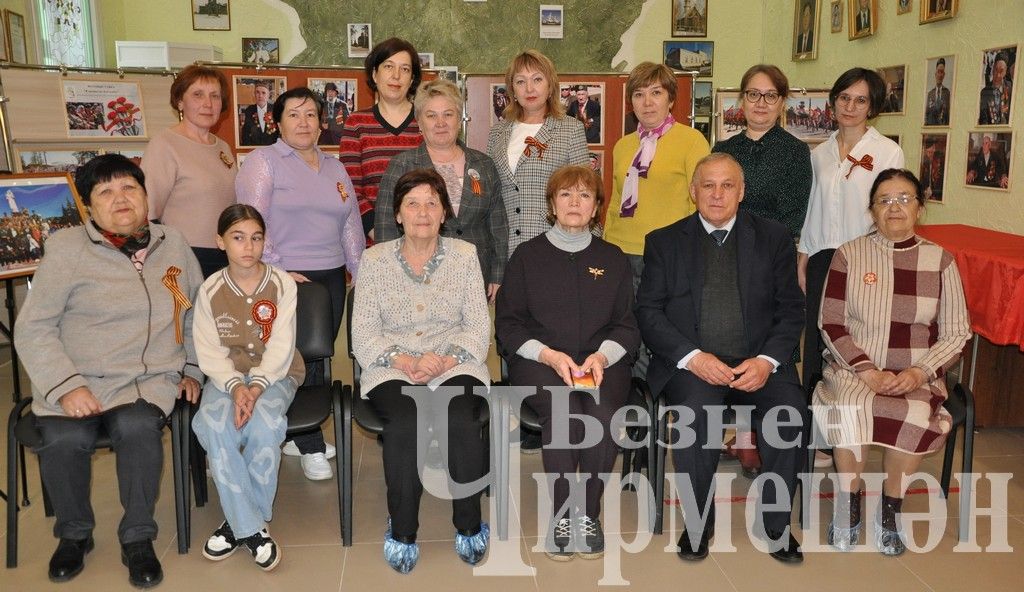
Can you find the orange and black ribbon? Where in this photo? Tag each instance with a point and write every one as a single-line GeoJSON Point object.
{"type": "Point", "coordinates": [865, 161]}
{"type": "Point", "coordinates": [181, 301]}
{"type": "Point", "coordinates": [532, 142]}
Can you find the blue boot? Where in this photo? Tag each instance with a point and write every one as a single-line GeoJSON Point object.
{"type": "Point", "coordinates": [471, 548]}
{"type": "Point", "coordinates": [402, 557]}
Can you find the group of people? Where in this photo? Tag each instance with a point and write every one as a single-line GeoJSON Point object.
{"type": "Point", "coordinates": [711, 265]}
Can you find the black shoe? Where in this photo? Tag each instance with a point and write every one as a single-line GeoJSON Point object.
{"type": "Point", "coordinates": [69, 558]}
{"type": "Point", "coordinates": [530, 442]}
{"type": "Point", "coordinates": [686, 551]}
{"type": "Point", "coordinates": [221, 543]}
{"type": "Point", "coordinates": [589, 537]}
{"type": "Point", "coordinates": [144, 569]}
{"type": "Point", "coordinates": [560, 545]}
{"type": "Point", "coordinates": [788, 553]}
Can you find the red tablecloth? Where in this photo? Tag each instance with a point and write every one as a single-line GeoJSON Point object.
{"type": "Point", "coordinates": [992, 267]}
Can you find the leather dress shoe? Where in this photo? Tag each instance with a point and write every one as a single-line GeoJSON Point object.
{"type": "Point", "coordinates": [144, 569]}
{"type": "Point", "coordinates": [686, 551]}
{"type": "Point", "coordinates": [788, 553]}
{"type": "Point", "coordinates": [69, 558]}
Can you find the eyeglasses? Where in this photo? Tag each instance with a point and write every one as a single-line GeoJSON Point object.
{"type": "Point", "coordinates": [859, 102]}
{"type": "Point", "coordinates": [902, 199]}
{"type": "Point", "coordinates": [771, 97]}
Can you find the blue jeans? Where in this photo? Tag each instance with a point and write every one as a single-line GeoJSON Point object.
{"type": "Point", "coordinates": [244, 462]}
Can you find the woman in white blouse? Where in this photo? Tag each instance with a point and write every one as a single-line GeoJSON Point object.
{"type": "Point", "coordinates": [844, 168]}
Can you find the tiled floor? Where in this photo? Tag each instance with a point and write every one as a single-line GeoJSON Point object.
{"type": "Point", "coordinates": [306, 524]}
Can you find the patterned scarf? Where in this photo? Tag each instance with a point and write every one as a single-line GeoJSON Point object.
{"type": "Point", "coordinates": [129, 244]}
{"type": "Point", "coordinates": [640, 165]}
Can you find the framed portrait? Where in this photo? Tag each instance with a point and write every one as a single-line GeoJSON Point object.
{"type": "Point", "coordinates": [254, 106]}
{"type": "Point", "coordinates": [449, 73]}
{"type": "Point", "coordinates": [103, 109]}
{"type": "Point", "coordinates": [938, 10]}
{"type": "Point", "coordinates": [585, 102]}
{"type": "Point", "coordinates": [629, 119]}
{"type": "Point", "coordinates": [691, 56]}
{"type": "Point", "coordinates": [34, 206]}
{"type": "Point", "coordinates": [806, 18]}
{"type": "Point", "coordinates": [360, 39]}
{"type": "Point", "coordinates": [43, 160]}
{"type": "Point", "coordinates": [728, 115]}
{"type": "Point", "coordinates": [933, 165]}
{"type": "Point", "coordinates": [426, 59]}
{"type": "Point", "coordinates": [835, 16]}
{"type": "Point", "coordinates": [702, 99]}
{"type": "Point", "coordinates": [689, 18]}
{"type": "Point", "coordinates": [895, 78]}
{"type": "Point", "coordinates": [988, 160]}
{"type": "Point", "coordinates": [551, 21]}
{"type": "Point", "coordinates": [863, 17]}
{"type": "Point", "coordinates": [339, 97]}
{"type": "Point", "coordinates": [261, 50]}
{"type": "Point", "coordinates": [808, 116]}
{"type": "Point", "coordinates": [17, 43]}
{"type": "Point", "coordinates": [940, 79]}
{"type": "Point", "coordinates": [905, 6]}
{"type": "Point", "coordinates": [211, 15]}
{"type": "Point", "coordinates": [596, 161]}
{"type": "Point", "coordinates": [500, 98]}
{"type": "Point", "coordinates": [997, 76]}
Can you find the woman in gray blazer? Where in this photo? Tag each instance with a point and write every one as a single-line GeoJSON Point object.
{"type": "Point", "coordinates": [533, 140]}
{"type": "Point", "coordinates": [474, 188]}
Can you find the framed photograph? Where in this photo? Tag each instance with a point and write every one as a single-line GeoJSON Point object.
{"type": "Point", "coordinates": [940, 78]}
{"type": "Point", "coordinates": [261, 50]}
{"type": "Point", "coordinates": [988, 160]}
{"type": "Point", "coordinates": [696, 56]}
{"type": "Point", "coordinates": [997, 76]}
{"type": "Point", "coordinates": [932, 171]}
{"type": "Point", "coordinates": [729, 118]}
{"type": "Point", "coordinates": [339, 97]}
{"type": "Point", "coordinates": [629, 119]}
{"type": "Point", "coordinates": [254, 106]}
{"type": "Point", "coordinates": [449, 73]}
{"type": "Point", "coordinates": [702, 99]}
{"type": "Point", "coordinates": [426, 60]}
{"type": "Point", "coordinates": [34, 206]}
{"type": "Point", "coordinates": [211, 15]}
{"type": "Point", "coordinates": [863, 17]}
{"type": "Point", "coordinates": [585, 101]}
{"type": "Point", "coordinates": [17, 43]}
{"type": "Point", "coordinates": [597, 161]}
{"type": "Point", "coordinates": [905, 6]}
{"type": "Point", "coordinates": [806, 18]}
{"type": "Point", "coordinates": [500, 98]}
{"type": "Point", "coordinates": [835, 13]}
{"type": "Point", "coordinates": [107, 109]}
{"type": "Point", "coordinates": [704, 127]}
{"type": "Point", "coordinates": [808, 116]}
{"type": "Point", "coordinates": [360, 39]}
{"type": "Point", "coordinates": [938, 10]}
{"type": "Point", "coordinates": [895, 78]}
{"type": "Point", "coordinates": [54, 161]}
{"type": "Point", "coordinates": [551, 21]}
{"type": "Point", "coordinates": [5, 53]}
{"type": "Point", "coordinates": [689, 18]}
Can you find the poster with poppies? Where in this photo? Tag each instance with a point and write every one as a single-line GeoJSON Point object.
{"type": "Point", "coordinates": [109, 109]}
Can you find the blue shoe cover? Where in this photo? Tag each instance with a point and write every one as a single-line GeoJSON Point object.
{"type": "Point", "coordinates": [471, 549]}
{"type": "Point", "coordinates": [402, 557]}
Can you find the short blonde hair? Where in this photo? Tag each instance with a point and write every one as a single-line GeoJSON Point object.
{"type": "Point", "coordinates": [532, 59]}
{"type": "Point", "coordinates": [572, 175]}
{"type": "Point", "coordinates": [648, 73]}
{"type": "Point", "coordinates": [438, 87]}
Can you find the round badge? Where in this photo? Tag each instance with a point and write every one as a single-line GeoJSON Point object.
{"type": "Point", "coordinates": [870, 278]}
{"type": "Point", "coordinates": [264, 312]}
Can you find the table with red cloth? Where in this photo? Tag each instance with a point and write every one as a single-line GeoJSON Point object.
{"type": "Point", "coordinates": [992, 268]}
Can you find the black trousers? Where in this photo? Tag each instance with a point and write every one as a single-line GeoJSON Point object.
{"type": "Point", "coordinates": [783, 388]}
{"type": "Point", "coordinates": [334, 280]}
{"type": "Point", "coordinates": [589, 462]}
{"type": "Point", "coordinates": [467, 451]}
{"type": "Point", "coordinates": [65, 463]}
{"type": "Point", "coordinates": [817, 273]}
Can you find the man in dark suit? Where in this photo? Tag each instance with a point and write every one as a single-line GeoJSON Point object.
{"type": "Point", "coordinates": [937, 108]}
{"type": "Point", "coordinates": [988, 168]}
{"type": "Point", "coordinates": [996, 96]}
{"type": "Point", "coordinates": [864, 18]}
{"type": "Point", "coordinates": [258, 127]}
{"type": "Point", "coordinates": [334, 115]}
{"type": "Point", "coordinates": [720, 308]}
{"type": "Point", "coordinates": [932, 170]}
{"type": "Point", "coordinates": [588, 112]}
{"type": "Point", "coordinates": [805, 35]}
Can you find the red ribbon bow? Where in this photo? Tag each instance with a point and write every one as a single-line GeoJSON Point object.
{"type": "Point", "coordinates": [865, 161]}
{"type": "Point", "coordinates": [532, 142]}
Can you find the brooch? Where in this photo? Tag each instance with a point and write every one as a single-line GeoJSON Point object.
{"type": "Point", "coordinates": [474, 179]}
{"type": "Point", "coordinates": [342, 192]}
{"type": "Point", "coordinates": [264, 312]}
{"type": "Point", "coordinates": [532, 142]}
{"type": "Point", "coordinates": [595, 272]}
{"type": "Point", "coordinates": [226, 159]}
{"type": "Point", "coordinates": [870, 278]}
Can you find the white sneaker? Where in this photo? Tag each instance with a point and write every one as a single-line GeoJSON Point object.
{"type": "Point", "coordinates": [290, 449]}
{"type": "Point", "coordinates": [316, 467]}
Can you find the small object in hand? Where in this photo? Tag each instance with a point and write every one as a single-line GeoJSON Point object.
{"type": "Point", "coordinates": [585, 380]}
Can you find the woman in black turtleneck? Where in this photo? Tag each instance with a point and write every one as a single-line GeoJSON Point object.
{"type": "Point", "coordinates": [566, 310]}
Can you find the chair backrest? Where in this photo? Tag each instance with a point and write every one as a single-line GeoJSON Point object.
{"type": "Point", "coordinates": [313, 326]}
{"type": "Point", "coordinates": [350, 301]}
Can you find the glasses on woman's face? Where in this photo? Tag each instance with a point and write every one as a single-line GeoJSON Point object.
{"type": "Point", "coordinates": [860, 102]}
{"type": "Point", "coordinates": [901, 199]}
{"type": "Point", "coordinates": [771, 97]}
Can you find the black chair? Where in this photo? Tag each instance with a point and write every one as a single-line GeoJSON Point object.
{"type": "Point", "coordinates": [22, 432]}
{"type": "Point", "coordinates": [318, 398]}
{"type": "Point", "coordinates": [960, 405]}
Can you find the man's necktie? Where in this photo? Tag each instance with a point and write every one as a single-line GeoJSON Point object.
{"type": "Point", "coordinates": [719, 235]}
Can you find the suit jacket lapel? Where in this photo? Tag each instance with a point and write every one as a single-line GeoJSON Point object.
{"type": "Point", "coordinates": [501, 160]}
{"type": "Point", "coordinates": [744, 257]}
{"type": "Point", "coordinates": [693, 259]}
{"type": "Point", "coordinates": [469, 199]}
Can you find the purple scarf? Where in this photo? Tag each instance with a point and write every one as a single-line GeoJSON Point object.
{"type": "Point", "coordinates": [640, 165]}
